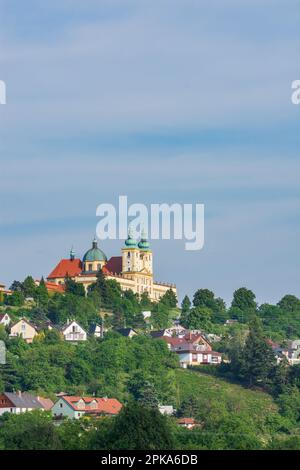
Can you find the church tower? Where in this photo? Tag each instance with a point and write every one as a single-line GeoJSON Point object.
{"type": "Point", "coordinates": [130, 258]}
{"type": "Point", "coordinates": [145, 255]}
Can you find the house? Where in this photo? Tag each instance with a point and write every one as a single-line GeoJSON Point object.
{"type": "Point", "coordinates": [194, 355]}
{"type": "Point", "coordinates": [24, 329]}
{"type": "Point", "coordinates": [97, 330]}
{"type": "Point", "coordinates": [193, 348]}
{"type": "Point", "coordinates": [5, 319]}
{"type": "Point", "coordinates": [21, 402]}
{"type": "Point", "coordinates": [73, 332]}
{"type": "Point", "coordinates": [166, 410]}
{"type": "Point", "coordinates": [74, 407]}
{"type": "Point", "coordinates": [188, 423]}
{"type": "Point", "coordinates": [127, 332]}
{"type": "Point", "coordinates": [146, 314]}
{"type": "Point", "coordinates": [291, 352]}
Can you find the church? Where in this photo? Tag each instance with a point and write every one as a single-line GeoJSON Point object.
{"type": "Point", "coordinates": [133, 270]}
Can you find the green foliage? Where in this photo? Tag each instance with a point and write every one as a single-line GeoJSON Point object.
{"type": "Point", "coordinates": [169, 299]}
{"type": "Point", "coordinates": [74, 288]}
{"type": "Point", "coordinates": [28, 431]}
{"type": "Point", "coordinates": [141, 428]}
{"type": "Point", "coordinates": [199, 318]}
{"type": "Point", "coordinates": [256, 359]}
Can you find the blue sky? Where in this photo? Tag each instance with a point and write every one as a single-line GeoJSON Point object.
{"type": "Point", "coordinates": [164, 101]}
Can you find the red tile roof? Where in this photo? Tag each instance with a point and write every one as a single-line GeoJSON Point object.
{"type": "Point", "coordinates": [51, 287]}
{"type": "Point", "coordinates": [113, 265]}
{"type": "Point", "coordinates": [103, 405]}
{"type": "Point", "coordinates": [46, 403]}
{"type": "Point", "coordinates": [189, 338]}
{"type": "Point", "coordinates": [66, 267]}
{"type": "Point", "coordinates": [186, 421]}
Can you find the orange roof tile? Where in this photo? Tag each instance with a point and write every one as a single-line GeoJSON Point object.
{"type": "Point", "coordinates": [103, 405]}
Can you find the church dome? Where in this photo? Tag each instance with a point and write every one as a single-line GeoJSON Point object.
{"type": "Point", "coordinates": [130, 242]}
{"type": "Point", "coordinates": [144, 244]}
{"type": "Point", "coordinates": [95, 254]}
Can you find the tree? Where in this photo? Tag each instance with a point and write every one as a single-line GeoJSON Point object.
{"type": "Point", "coordinates": [143, 391]}
{"type": "Point", "coordinates": [101, 288]}
{"type": "Point", "coordinates": [140, 428]}
{"type": "Point", "coordinates": [16, 299]}
{"type": "Point", "coordinates": [28, 431]}
{"type": "Point", "coordinates": [289, 303]}
{"type": "Point", "coordinates": [16, 286]}
{"type": "Point", "coordinates": [145, 301]}
{"type": "Point", "coordinates": [204, 298]}
{"type": "Point", "coordinates": [257, 358]}
{"type": "Point", "coordinates": [42, 295]}
{"type": "Point", "coordinates": [185, 305]}
{"type": "Point", "coordinates": [29, 287]}
{"type": "Point", "coordinates": [169, 299]}
{"type": "Point", "coordinates": [199, 318]}
{"type": "Point", "coordinates": [244, 299]}
{"type": "Point", "coordinates": [74, 288]}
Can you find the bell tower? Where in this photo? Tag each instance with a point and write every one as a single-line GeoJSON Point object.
{"type": "Point", "coordinates": [130, 254]}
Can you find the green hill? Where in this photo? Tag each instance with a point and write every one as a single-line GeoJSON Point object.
{"type": "Point", "coordinates": [230, 416]}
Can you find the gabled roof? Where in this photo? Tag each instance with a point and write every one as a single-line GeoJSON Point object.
{"type": "Point", "coordinates": [102, 405]}
{"type": "Point", "coordinates": [46, 403]}
{"type": "Point", "coordinates": [26, 321]}
{"type": "Point", "coordinates": [64, 327]}
{"type": "Point", "coordinates": [113, 266]}
{"type": "Point", "coordinates": [66, 267]}
{"type": "Point", "coordinates": [23, 400]}
{"type": "Point", "coordinates": [2, 315]}
{"type": "Point", "coordinates": [126, 331]}
{"type": "Point", "coordinates": [186, 421]}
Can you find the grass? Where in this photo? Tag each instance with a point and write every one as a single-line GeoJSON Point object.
{"type": "Point", "coordinates": [212, 390]}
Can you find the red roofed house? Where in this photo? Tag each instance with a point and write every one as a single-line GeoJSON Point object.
{"type": "Point", "coordinates": [188, 423]}
{"type": "Point", "coordinates": [133, 270]}
{"type": "Point", "coordinates": [75, 407]}
{"type": "Point", "coordinates": [192, 349]}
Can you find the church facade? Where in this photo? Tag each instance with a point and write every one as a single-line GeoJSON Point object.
{"type": "Point", "coordinates": [133, 270]}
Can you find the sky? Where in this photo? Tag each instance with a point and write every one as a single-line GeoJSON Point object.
{"type": "Point", "coordinates": [164, 101]}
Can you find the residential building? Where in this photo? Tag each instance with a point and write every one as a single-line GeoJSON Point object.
{"type": "Point", "coordinates": [5, 319]}
{"type": "Point", "coordinates": [73, 332]}
{"type": "Point", "coordinates": [74, 407]}
{"type": "Point", "coordinates": [21, 402]}
{"type": "Point", "coordinates": [192, 347]}
{"type": "Point", "coordinates": [188, 423]}
{"type": "Point", "coordinates": [24, 329]}
{"type": "Point", "coordinates": [127, 332]}
{"type": "Point", "coordinates": [166, 410]}
{"type": "Point", "coordinates": [133, 270]}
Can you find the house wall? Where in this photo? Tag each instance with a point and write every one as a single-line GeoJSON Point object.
{"type": "Point", "coordinates": [61, 408]}
{"type": "Point", "coordinates": [24, 330]}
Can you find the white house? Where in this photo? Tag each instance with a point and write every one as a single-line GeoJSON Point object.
{"type": "Point", "coordinates": [5, 319]}
{"type": "Point", "coordinates": [21, 402]}
{"type": "Point", "coordinates": [73, 332]}
{"type": "Point", "coordinates": [75, 407]}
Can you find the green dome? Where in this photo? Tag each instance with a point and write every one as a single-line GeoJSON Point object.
{"type": "Point", "coordinates": [130, 243]}
{"type": "Point", "coordinates": [144, 245]}
{"type": "Point", "coordinates": [94, 254]}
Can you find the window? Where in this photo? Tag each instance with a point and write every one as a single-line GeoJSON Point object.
{"type": "Point", "coordinates": [60, 405]}
{"type": "Point", "coordinates": [90, 267]}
